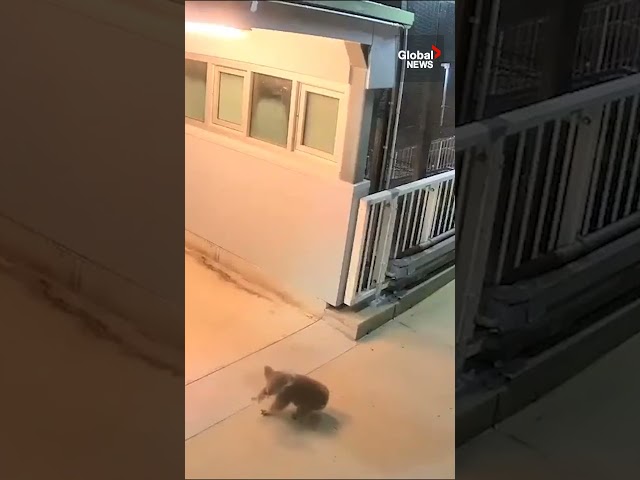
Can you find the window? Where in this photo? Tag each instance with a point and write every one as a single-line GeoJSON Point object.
{"type": "Point", "coordinates": [229, 98]}
{"type": "Point", "coordinates": [275, 107]}
{"type": "Point", "coordinates": [195, 89]}
{"type": "Point", "coordinates": [270, 106]}
{"type": "Point", "coordinates": [318, 121]}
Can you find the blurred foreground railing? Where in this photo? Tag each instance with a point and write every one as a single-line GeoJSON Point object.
{"type": "Point", "coordinates": [541, 180]}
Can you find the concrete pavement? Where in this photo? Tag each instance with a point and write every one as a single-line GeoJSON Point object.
{"type": "Point", "coordinates": [587, 428]}
{"type": "Point", "coordinates": [227, 318]}
{"type": "Point", "coordinates": [390, 415]}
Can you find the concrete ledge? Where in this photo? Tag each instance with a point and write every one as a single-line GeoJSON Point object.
{"type": "Point", "coordinates": [414, 295]}
{"type": "Point", "coordinates": [150, 313]}
{"type": "Point", "coordinates": [541, 374]}
{"type": "Point", "coordinates": [429, 259]}
{"type": "Point", "coordinates": [357, 323]}
{"type": "Point", "coordinates": [475, 414]}
{"type": "Point", "coordinates": [253, 274]}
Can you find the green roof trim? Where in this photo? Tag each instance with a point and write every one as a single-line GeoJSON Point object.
{"type": "Point", "coordinates": [365, 8]}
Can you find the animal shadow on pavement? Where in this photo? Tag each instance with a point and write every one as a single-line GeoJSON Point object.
{"type": "Point", "coordinates": [325, 423]}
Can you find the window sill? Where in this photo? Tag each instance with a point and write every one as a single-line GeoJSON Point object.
{"type": "Point", "coordinates": [297, 161]}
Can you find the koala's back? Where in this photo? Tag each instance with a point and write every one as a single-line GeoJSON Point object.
{"type": "Point", "coordinates": [307, 393]}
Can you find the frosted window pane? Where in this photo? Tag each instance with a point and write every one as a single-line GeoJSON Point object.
{"type": "Point", "coordinates": [230, 98]}
{"type": "Point", "coordinates": [195, 81]}
{"type": "Point", "coordinates": [270, 104]}
{"type": "Point", "coordinates": [320, 123]}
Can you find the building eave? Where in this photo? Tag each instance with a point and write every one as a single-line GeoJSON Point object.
{"type": "Point", "coordinates": [365, 9]}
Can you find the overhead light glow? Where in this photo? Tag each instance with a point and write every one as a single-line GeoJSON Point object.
{"type": "Point", "coordinates": [214, 30]}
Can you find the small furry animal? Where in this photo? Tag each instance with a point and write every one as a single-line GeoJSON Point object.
{"type": "Point", "coordinates": [305, 393]}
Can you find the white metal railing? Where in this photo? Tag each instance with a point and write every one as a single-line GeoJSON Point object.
{"type": "Point", "coordinates": [542, 178]}
{"type": "Point", "coordinates": [442, 154]}
{"type": "Point", "coordinates": [403, 166]}
{"type": "Point", "coordinates": [516, 57]}
{"type": "Point", "coordinates": [393, 222]}
{"type": "Point", "coordinates": [608, 38]}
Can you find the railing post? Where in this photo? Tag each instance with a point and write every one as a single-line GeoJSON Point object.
{"type": "Point", "coordinates": [579, 182]}
{"type": "Point", "coordinates": [603, 39]}
{"type": "Point", "coordinates": [430, 210]}
{"type": "Point", "coordinates": [388, 219]}
{"type": "Point", "coordinates": [359, 245]}
{"type": "Point", "coordinates": [473, 248]}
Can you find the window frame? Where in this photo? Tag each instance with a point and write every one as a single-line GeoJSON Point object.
{"type": "Point", "coordinates": [294, 150]}
{"type": "Point", "coordinates": [215, 94]}
{"type": "Point", "coordinates": [293, 109]}
{"type": "Point", "coordinates": [301, 116]}
{"type": "Point", "coordinates": [194, 121]}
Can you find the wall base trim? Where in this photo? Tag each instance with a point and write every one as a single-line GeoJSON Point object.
{"type": "Point", "coordinates": [253, 274]}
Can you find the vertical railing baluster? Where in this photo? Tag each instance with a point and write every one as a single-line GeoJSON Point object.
{"type": "Point", "coordinates": [387, 220]}
{"type": "Point", "coordinates": [533, 175]}
{"type": "Point", "coordinates": [625, 158]}
{"type": "Point", "coordinates": [513, 193]}
{"type": "Point", "coordinates": [557, 125]}
{"type": "Point", "coordinates": [611, 157]}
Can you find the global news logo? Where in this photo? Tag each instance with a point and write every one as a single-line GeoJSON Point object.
{"type": "Point", "coordinates": [420, 59]}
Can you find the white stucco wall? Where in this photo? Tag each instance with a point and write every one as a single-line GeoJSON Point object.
{"type": "Point", "coordinates": [291, 225]}
{"type": "Point", "coordinates": [290, 221]}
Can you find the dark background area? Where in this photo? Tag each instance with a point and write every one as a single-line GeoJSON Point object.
{"type": "Point", "coordinates": [527, 72]}
{"type": "Point", "coordinates": [93, 150]}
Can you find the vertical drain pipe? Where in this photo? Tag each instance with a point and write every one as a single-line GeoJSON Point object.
{"type": "Point", "coordinates": [398, 105]}
{"type": "Point", "coordinates": [488, 59]}
{"type": "Point", "coordinates": [446, 67]}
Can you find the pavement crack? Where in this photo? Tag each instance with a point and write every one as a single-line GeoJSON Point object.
{"type": "Point", "coordinates": [405, 325]}
{"type": "Point", "coordinates": [254, 352]}
{"type": "Point", "coordinates": [250, 404]}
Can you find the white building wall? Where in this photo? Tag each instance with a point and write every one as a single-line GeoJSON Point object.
{"type": "Point", "coordinates": [292, 222]}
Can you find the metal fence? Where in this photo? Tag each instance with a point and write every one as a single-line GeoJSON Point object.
{"type": "Point", "coordinates": [548, 177]}
{"type": "Point", "coordinates": [403, 164]}
{"type": "Point", "coordinates": [517, 57]}
{"type": "Point", "coordinates": [441, 157]}
{"type": "Point", "coordinates": [506, 60]}
{"type": "Point", "coordinates": [608, 38]}
{"type": "Point", "coordinates": [393, 223]}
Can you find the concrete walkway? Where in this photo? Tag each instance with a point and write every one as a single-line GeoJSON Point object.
{"type": "Point", "coordinates": [391, 412]}
{"type": "Point", "coordinates": [587, 428]}
{"type": "Point", "coordinates": [227, 318]}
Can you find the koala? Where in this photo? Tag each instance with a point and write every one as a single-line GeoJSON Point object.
{"type": "Point", "coordinates": [305, 393]}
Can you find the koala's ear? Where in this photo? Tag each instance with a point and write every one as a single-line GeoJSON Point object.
{"type": "Point", "coordinates": [268, 371]}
